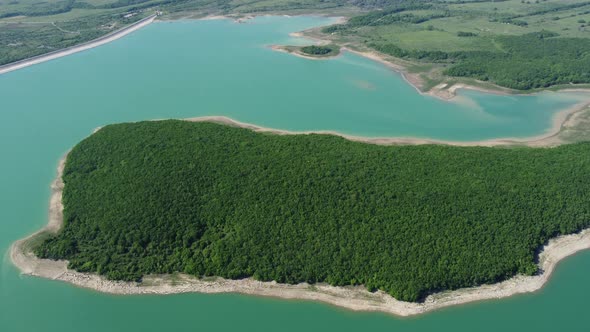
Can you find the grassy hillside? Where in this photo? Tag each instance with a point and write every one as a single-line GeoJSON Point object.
{"type": "Point", "coordinates": [515, 44]}
{"type": "Point", "coordinates": [207, 199]}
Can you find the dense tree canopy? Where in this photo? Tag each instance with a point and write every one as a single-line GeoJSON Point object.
{"type": "Point", "coordinates": [535, 60]}
{"type": "Point", "coordinates": [208, 199]}
{"type": "Point", "coordinates": [317, 50]}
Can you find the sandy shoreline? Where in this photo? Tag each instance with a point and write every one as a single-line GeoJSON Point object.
{"type": "Point", "coordinates": [354, 298]}
{"type": "Point", "coordinates": [547, 139]}
{"type": "Point", "coordinates": [78, 48]}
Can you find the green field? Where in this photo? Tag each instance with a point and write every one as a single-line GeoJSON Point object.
{"type": "Point", "coordinates": [211, 200]}
{"type": "Point", "coordinates": [510, 43]}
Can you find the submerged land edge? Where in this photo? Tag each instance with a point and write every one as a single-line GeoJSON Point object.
{"type": "Point", "coordinates": [549, 138]}
{"type": "Point", "coordinates": [356, 298]}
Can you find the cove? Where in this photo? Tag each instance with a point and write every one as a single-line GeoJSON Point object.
{"type": "Point", "coordinates": [192, 68]}
{"type": "Point", "coordinates": [195, 68]}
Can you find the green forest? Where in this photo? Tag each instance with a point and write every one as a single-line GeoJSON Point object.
{"type": "Point", "coordinates": [530, 61]}
{"type": "Point", "coordinates": [213, 200]}
{"type": "Point", "coordinates": [316, 50]}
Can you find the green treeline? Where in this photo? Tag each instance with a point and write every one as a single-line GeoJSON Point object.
{"type": "Point", "coordinates": [392, 14]}
{"type": "Point", "coordinates": [554, 9]}
{"type": "Point", "coordinates": [534, 60]}
{"type": "Point", "coordinates": [396, 51]}
{"type": "Point", "coordinates": [42, 8]}
{"type": "Point", "coordinates": [52, 8]}
{"type": "Point", "coordinates": [466, 34]}
{"type": "Point", "coordinates": [213, 200]}
{"type": "Point", "coordinates": [317, 50]}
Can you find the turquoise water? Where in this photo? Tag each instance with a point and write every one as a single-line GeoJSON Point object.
{"type": "Point", "coordinates": [187, 69]}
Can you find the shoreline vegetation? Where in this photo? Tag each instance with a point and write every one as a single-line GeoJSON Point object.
{"type": "Point", "coordinates": [334, 51]}
{"type": "Point", "coordinates": [459, 43]}
{"type": "Point", "coordinates": [355, 298]}
{"type": "Point", "coordinates": [443, 91]}
{"type": "Point", "coordinates": [447, 90]}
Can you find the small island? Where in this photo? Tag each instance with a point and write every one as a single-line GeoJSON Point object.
{"type": "Point", "coordinates": [311, 51]}
{"type": "Point", "coordinates": [320, 51]}
{"type": "Point", "coordinates": [214, 200]}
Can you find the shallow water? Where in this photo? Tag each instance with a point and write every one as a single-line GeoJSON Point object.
{"type": "Point", "coordinates": [187, 69]}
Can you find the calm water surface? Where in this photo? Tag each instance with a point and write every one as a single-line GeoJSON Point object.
{"type": "Point", "coordinates": [187, 69]}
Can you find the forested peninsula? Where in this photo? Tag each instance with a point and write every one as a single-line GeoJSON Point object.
{"type": "Point", "coordinates": [208, 199]}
